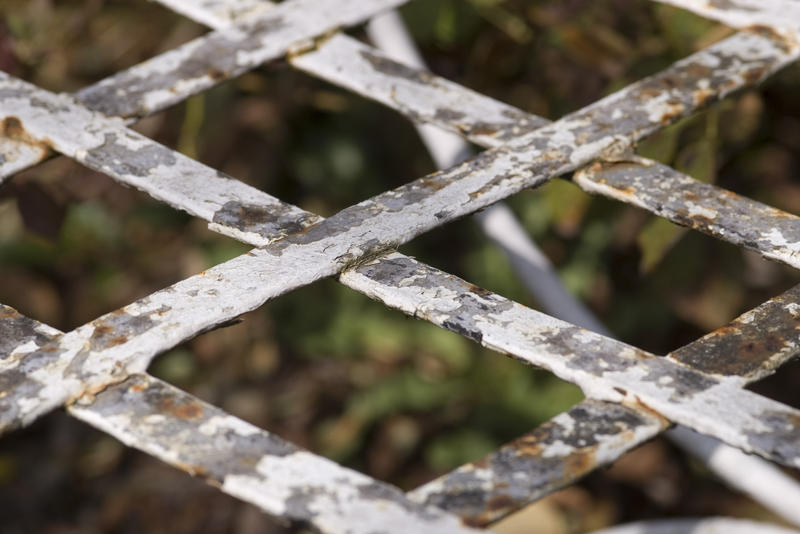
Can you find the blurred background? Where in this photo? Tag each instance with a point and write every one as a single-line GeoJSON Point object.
{"type": "Point", "coordinates": [326, 367]}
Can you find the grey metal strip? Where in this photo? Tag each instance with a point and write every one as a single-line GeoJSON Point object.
{"type": "Point", "coordinates": [571, 445]}
{"type": "Point", "coordinates": [428, 99]}
{"type": "Point", "coordinates": [206, 61]}
{"type": "Point", "coordinates": [681, 199]}
{"type": "Point", "coordinates": [242, 460]}
{"type": "Point", "coordinates": [556, 454]}
{"type": "Point", "coordinates": [254, 465]}
{"type": "Point", "coordinates": [197, 65]}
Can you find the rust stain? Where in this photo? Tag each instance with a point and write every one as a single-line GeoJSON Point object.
{"type": "Point", "coordinates": [500, 503]}
{"type": "Point", "coordinates": [579, 463]}
{"type": "Point", "coordinates": [138, 388]}
{"type": "Point", "coordinates": [479, 291]}
{"type": "Point", "coordinates": [187, 411]}
{"type": "Point", "coordinates": [118, 340]}
{"type": "Point", "coordinates": [102, 329]}
{"type": "Point", "coordinates": [529, 445]}
{"type": "Point", "coordinates": [12, 127]}
{"type": "Point", "coordinates": [702, 96]}
{"type": "Point", "coordinates": [7, 312]}
{"type": "Point", "coordinates": [433, 183]}
{"type": "Point", "coordinates": [649, 92]}
{"type": "Point", "coordinates": [194, 470]}
{"type": "Point", "coordinates": [479, 129]}
{"type": "Point", "coordinates": [216, 74]}
{"type": "Point", "coordinates": [770, 33]}
{"type": "Point", "coordinates": [754, 75]}
{"type": "Point", "coordinates": [671, 115]}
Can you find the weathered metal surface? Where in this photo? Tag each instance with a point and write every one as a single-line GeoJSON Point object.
{"type": "Point", "coordinates": [20, 334]}
{"type": "Point", "coordinates": [206, 61]}
{"type": "Point", "coordinates": [252, 464]}
{"type": "Point", "coordinates": [107, 145]}
{"type": "Point", "coordinates": [556, 454]}
{"type": "Point", "coordinates": [172, 315]}
{"type": "Point", "coordinates": [681, 199]}
{"type": "Point", "coordinates": [109, 334]}
{"type": "Point", "coordinates": [749, 348]}
{"type": "Point", "coordinates": [602, 367]}
{"type": "Point", "coordinates": [218, 14]}
{"type": "Point", "coordinates": [782, 16]}
{"type": "Point", "coordinates": [416, 93]}
{"type": "Point", "coordinates": [239, 458]}
{"type": "Point", "coordinates": [198, 64]}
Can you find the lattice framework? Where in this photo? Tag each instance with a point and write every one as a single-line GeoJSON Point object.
{"type": "Point", "coordinates": [98, 371]}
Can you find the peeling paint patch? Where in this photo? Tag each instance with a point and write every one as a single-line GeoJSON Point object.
{"type": "Point", "coordinates": [554, 455]}
{"type": "Point", "coordinates": [681, 199]}
{"type": "Point", "coordinates": [252, 464]}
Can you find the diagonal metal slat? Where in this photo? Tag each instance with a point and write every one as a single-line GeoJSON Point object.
{"type": "Point", "coordinates": [254, 465]}
{"type": "Point", "coordinates": [679, 198]}
{"type": "Point", "coordinates": [171, 77]}
{"type": "Point", "coordinates": [572, 445]}
{"type": "Point", "coordinates": [197, 65]}
{"type": "Point", "coordinates": [556, 454]}
{"type": "Point", "coordinates": [602, 367]}
{"type": "Point", "coordinates": [591, 434]}
{"type": "Point", "coordinates": [658, 188]}
{"type": "Point", "coordinates": [242, 460]}
{"type": "Point", "coordinates": [782, 16]}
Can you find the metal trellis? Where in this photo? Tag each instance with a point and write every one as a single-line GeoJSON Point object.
{"type": "Point", "coordinates": [98, 371]}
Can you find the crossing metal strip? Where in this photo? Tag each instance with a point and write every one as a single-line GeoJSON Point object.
{"type": "Point", "coordinates": [591, 434]}
{"type": "Point", "coordinates": [171, 77]}
{"type": "Point", "coordinates": [426, 98]}
{"type": "Point", "coordinates": [240, 459]}
{"type": "Point", "coordinates": [436, 191]}
{"type": "Point", "coordinates": [594, 433]}
{"type": "Point", "coordinates": [681, 199]}
{"type": "Point", "coordinates": [658, 188]}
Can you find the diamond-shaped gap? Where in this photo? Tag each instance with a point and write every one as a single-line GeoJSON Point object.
{"type": "Point", "coordinates": [65, 46]}
{"type": "Point", "coordinates": [333, 371]}
{"type": "Point", "coordinates": [298, 138]}
{"type": "Point", "coordinates": [61, 475]}
{"type": "Point", "coordinates": [698, 285]}
{"type": "Point", "coordinates": [76, 244]}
